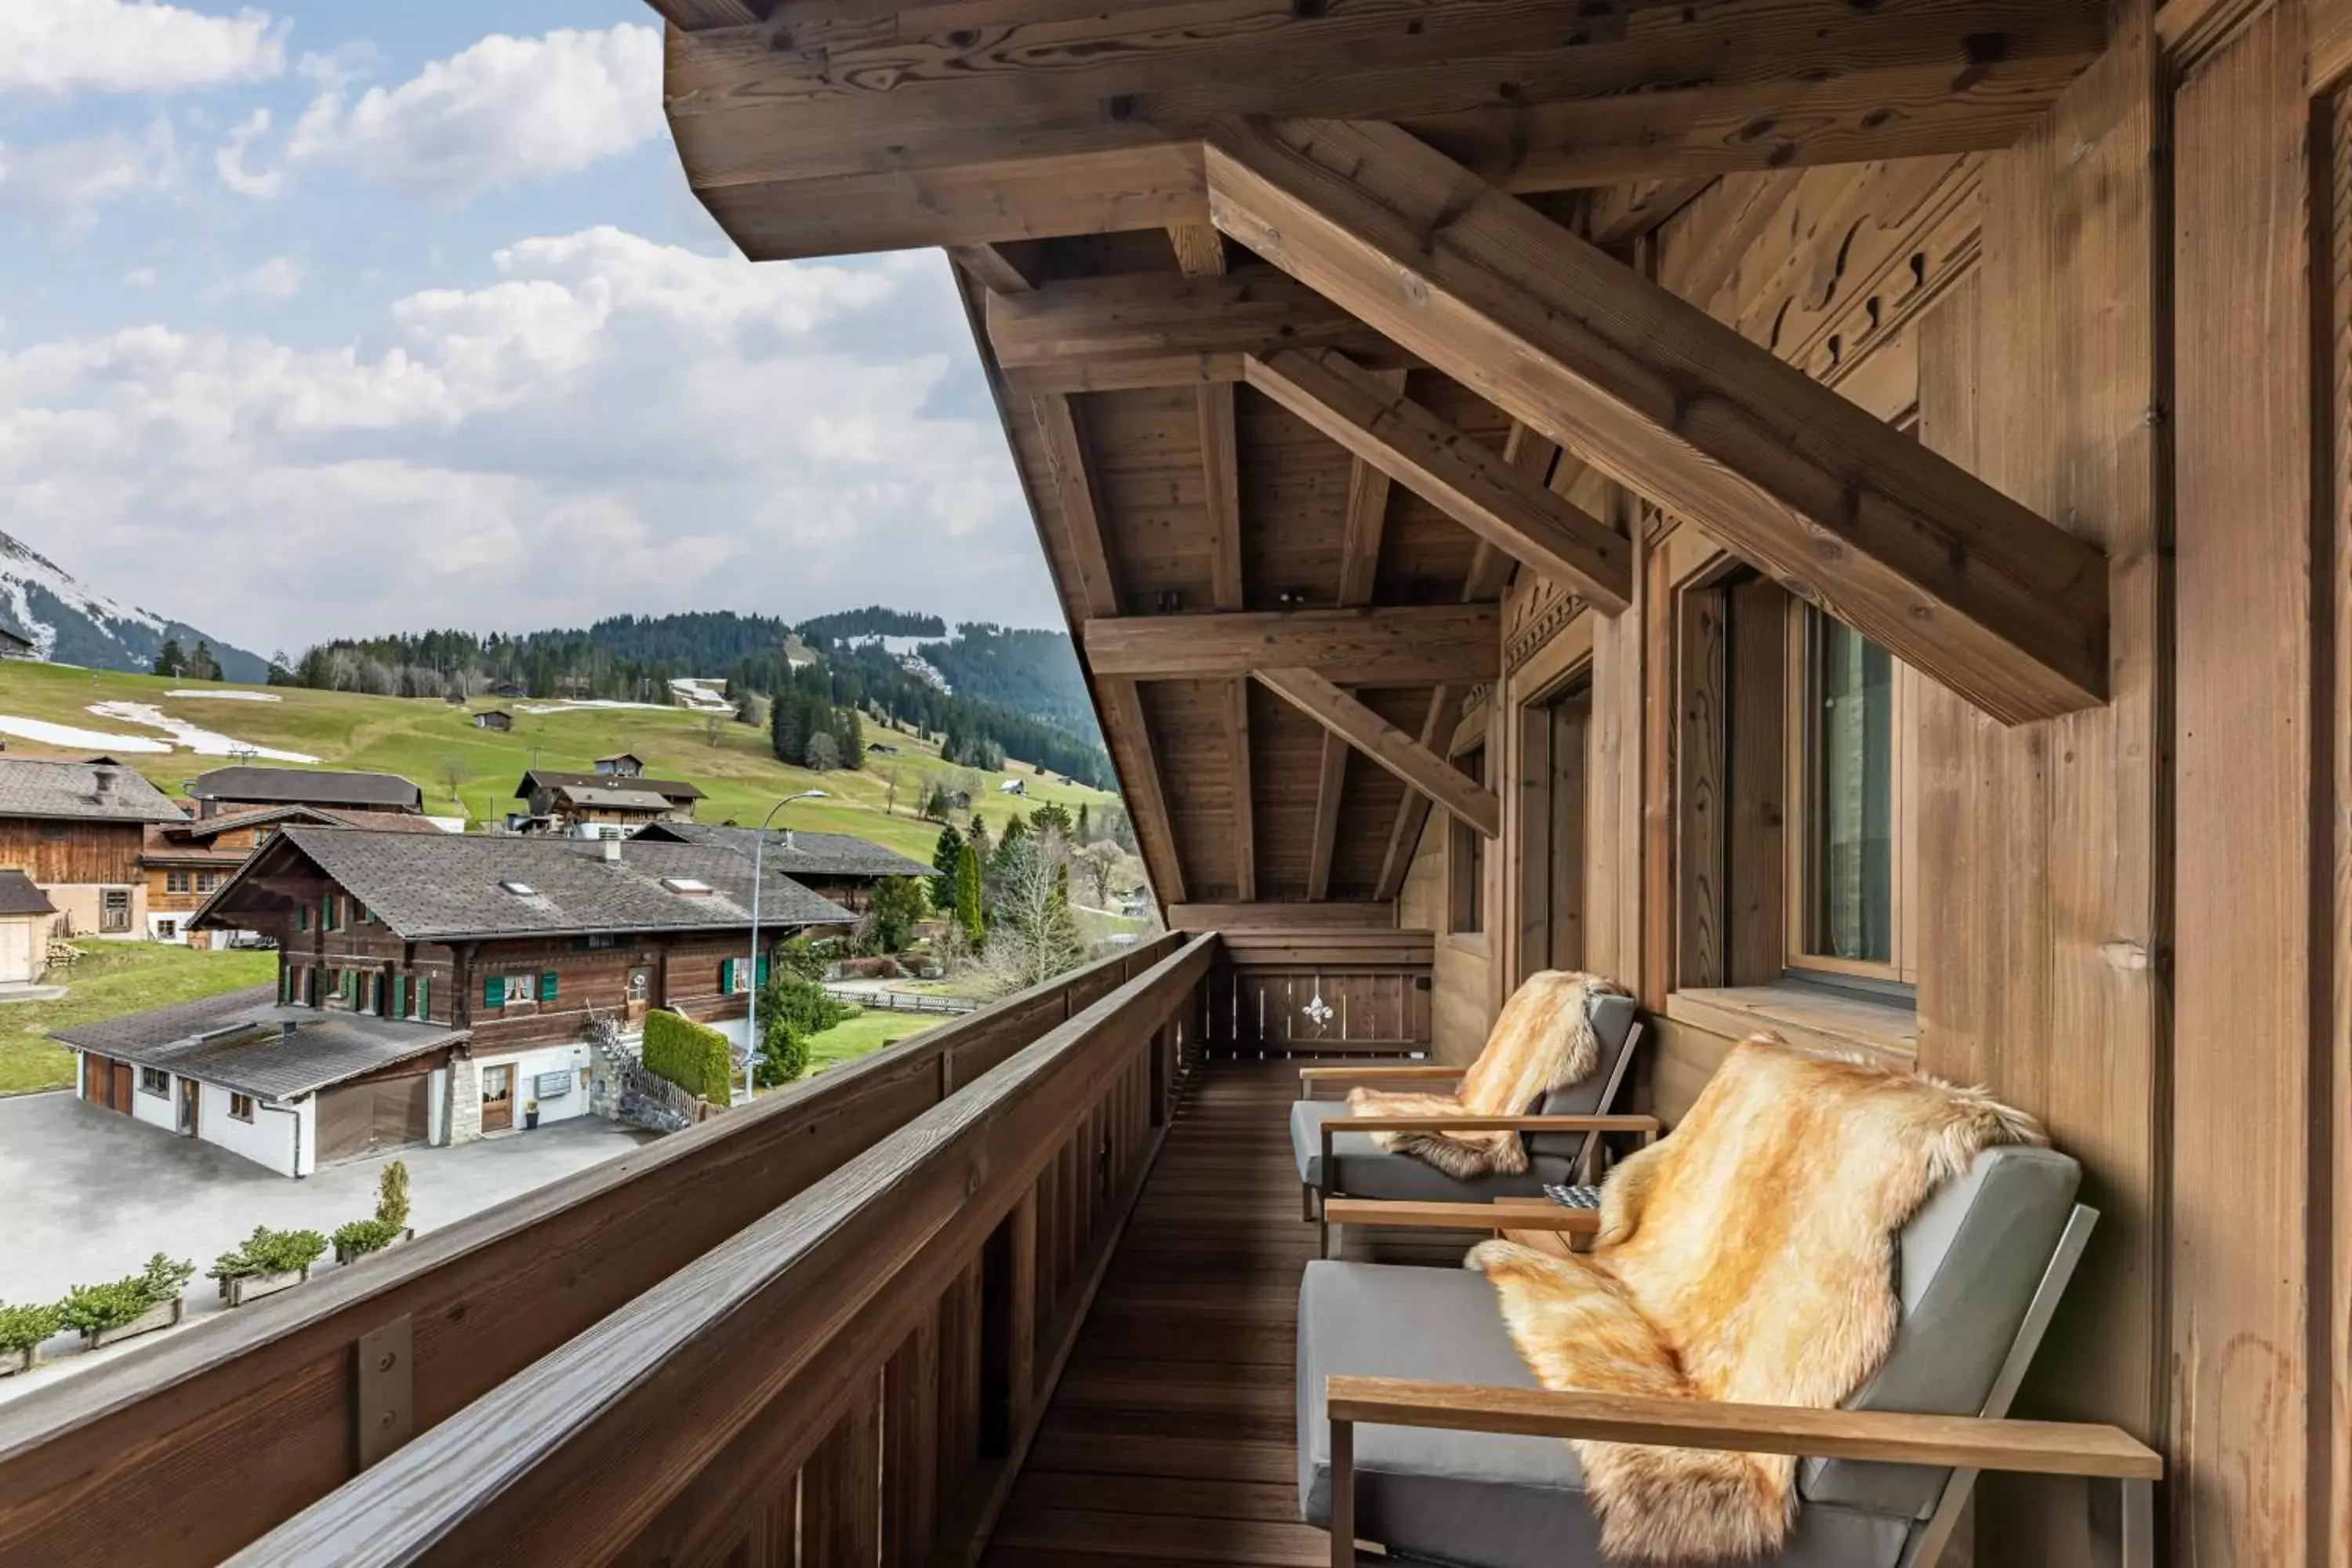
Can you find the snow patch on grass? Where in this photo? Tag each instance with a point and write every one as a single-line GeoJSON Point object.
{"type": "Point", "coordinates": [195, 738]}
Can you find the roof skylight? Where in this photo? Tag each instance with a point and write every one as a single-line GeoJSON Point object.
{"type": "Point", "coordinates": [519, 890]}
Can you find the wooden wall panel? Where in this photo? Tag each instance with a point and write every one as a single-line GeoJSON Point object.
{"type": "Point", "coordinates": [1144, 451]}
{"type": "Point", "coordinates": [1286, 756]}
{"type": "Point", "coordinates": [1294, 495]}
{"type": "Point", "coordinates": [2332, 26]}
{"type": "Point", "coordinates": [2246, 1040]}
{"type": "Point", "coordinates": [2044, 907]}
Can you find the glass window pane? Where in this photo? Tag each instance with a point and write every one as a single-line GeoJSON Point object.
{"type": "Point", "coordinates": [1849, 856]}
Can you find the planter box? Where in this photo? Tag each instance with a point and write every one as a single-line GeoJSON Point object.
{"type": "Point", "coordinates": [403, 1239]}
{"type": "Point", "coordinates": [14, 1361]}
{"type": "Point", "coordinates": [162, 1315]}
{"type": "Point", "coordinates": [254, 1286]}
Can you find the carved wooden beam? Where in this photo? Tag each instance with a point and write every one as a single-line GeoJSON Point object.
{"type": "Point", "coordinates": [1469, 481]}
{"type": "Point", "coordinates": [837, 126]}
{"type": "Point", "coordinates": [1957, 579]}
{"type": "Point", "coordinates": [1390, 747]}
{"type": "Point", "coordinates": [1163, 329]}
{"type": "Point", "coordinates": [1418, 645]}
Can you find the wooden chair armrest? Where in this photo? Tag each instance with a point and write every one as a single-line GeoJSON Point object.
{"type": "Point", "coordinates": [1643, 1124]}
{"type": "Point", "coordinates": [1414, 1072]}
{"type": "Point", "coordinates": [1968, 1442]}
{"type": "Point", "coordinates": [1432, 1216]}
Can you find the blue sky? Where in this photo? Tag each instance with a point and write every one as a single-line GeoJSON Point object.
{"type": "Point", "coordinates": [321, 319]}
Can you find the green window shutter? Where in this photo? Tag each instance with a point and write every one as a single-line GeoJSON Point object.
{"type": "Point", "coordinates": [760, 977]}
{"type": "Point", "coordinates": [494, 991]}
{"type": "Point", "coordinates": [327, 912]}
{"type": "Point", "coordinates": [400, 996]}
{"type": "Point", "coordinates": [425, 996]}
{"type": "Point", "coordinates": [285, 984]}
{"type": "Point", "coordinates": [726, 975]}
{"type": "Point", "coordinates": [348, 984]}
{"type": "Point", "coordinates": [547, 986]}
{"type": "Point", "coordinates": [301, 917]}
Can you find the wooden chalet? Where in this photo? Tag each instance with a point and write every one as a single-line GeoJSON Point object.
{"type": "Point", "coordinates": [77, 830]}
{"type": "Point", "coordinates": [838, 866]}
{"type": "Point", "coordinates": [187, 860]}
{"type": "Point", "coordinates": [603, 804]}
{"type": "Point", "coordinates": [1832, 515]}
{"type": "Point", "coordinates": [251, 787]}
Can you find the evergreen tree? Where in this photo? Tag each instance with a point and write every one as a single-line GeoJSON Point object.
{"type": "Point", "coordinates": [201, 665]}
{"type": "Point", "coordinates": [1086, 829]}
{"type": "Point", "coordinates": [944, 855]}
{"type": "Point", "coordinates": [967, 895]}
{"type": "Point", "coordinates": [898, 906]}
{"type": "Point", "coordinates": [170, 661]}
{"type": "Point", "coordinates": [788, 727]}
{"type": "Point", "coordinates": [1054, 819]}
{"type": "Point", "coordinates": [849, 734]}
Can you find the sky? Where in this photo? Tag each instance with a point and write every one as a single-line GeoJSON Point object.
{"type": "Point", "coordinates": [329, 319]}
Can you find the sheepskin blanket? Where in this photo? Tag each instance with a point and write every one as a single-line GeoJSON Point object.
{"type": "Point", "coordinates": [1749, 1257]}
{"type": "Point", "coordinates": [1543, 1041]}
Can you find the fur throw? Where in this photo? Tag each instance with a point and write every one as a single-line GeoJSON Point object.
{"type": "Point", "coordinates": [1750, 1258]}
{"type": "Point", "coordinates": [1543, 1041]}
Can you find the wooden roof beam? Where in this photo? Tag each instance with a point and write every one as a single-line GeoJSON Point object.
{"type": "Point", "coordinates": [1421, 769]}
{"type": "Point", "coordinates": [1960, 581]}
{"type": "Point", "coordinates": [1469, 481]}
{"type": "Point", "coordinates": [1416, 645]}
{"type": "Point", "coordinates": [837, 126]}
{"type": "Point", "coordinates": [1165, 328]}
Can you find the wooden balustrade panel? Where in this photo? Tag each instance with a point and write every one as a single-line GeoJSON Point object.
{"type": "Point", "coordinates": [878, 1349]}
{"type": "Point", "coordinates": [224, 1431]}
{"type": "Point", "coordinates": [1317, 1010]}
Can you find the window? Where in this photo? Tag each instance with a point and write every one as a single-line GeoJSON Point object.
{"type": "Point", "coordinates": [303, 917]}
{"type": "Point", "coordinates": [262, 836]}
{"type": "Point", "coordinates": [154, 1082]}
{"type": "Point", "coordinates": [732, 975]}
{"type": "Point", "coordinates": [1465, 859]}
{"type": "Point", "coordinates": [1847, 866]}
{"type": "Point", "coordinates": [207, 880]}
{"type": "Point", "coordinates": [1553, 733]}
{"type": "Point", "coordinates": [175, 882]}
{"type": "Point", "coordinates": [359, 913]}
{"type": "Point", "coordinates": [329, 914]}
{"type": "Point", "coordinates": [167, 930]}
{"type": "Point", "coordinates": [114, 910]}
{"type": "Point", "coordinates": [53, 833]}
{"type": "Point", "coordinates": [240, 1106]}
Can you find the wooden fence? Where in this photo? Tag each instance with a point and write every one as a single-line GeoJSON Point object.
{"type": "Point", "coordinates": [851, 1379]}
{"type": "Point", "coordinates": [188, 1451]}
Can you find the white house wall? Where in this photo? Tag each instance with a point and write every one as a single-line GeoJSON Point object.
{"type": "Point", "coordinates": [529, 1064]}
{"type": "Point", "coordinates": [155, 1109]}
{"type": "Point", "coordinates": [269, 1139]}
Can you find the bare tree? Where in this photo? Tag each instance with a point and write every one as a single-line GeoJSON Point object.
{"type": "Point", "coordinates": [453, 774]}
{"type": "Point", "coordinates": [890, 793]}
{"type": "Point", "coordinates": [1032, 935]}
{"type": "Point", "coordinates": [714, 729]}
{"type": "Point", "coordinates": [1099, 863]}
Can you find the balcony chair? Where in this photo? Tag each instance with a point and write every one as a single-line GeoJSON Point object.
{"type": "Point", "coordinates": [1422, 1428]}
{"type": "Point", "coordinates": [1562, 1131]}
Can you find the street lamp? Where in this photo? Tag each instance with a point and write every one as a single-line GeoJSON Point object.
{"type": "Point", "coordinates": [759, 853]}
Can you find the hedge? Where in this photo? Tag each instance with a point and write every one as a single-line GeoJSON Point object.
{"type": "Point", "coordinates": [690, 1056]}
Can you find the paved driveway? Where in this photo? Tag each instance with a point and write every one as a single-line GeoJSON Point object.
{"type": "Point", "coordinates": [87, 1194]}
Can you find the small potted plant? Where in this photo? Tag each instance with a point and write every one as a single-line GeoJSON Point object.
{"type": "Point", "coordinates": [22, 1330]}
{"type": "Point", "coordinates": [267, 1262]}
{"type": "Point", "coordinates": [360, 1238]}
{"type": "Point", "coordinates": [147, 1300]}
{"type": "Point", "coordinates": [530, 1114]}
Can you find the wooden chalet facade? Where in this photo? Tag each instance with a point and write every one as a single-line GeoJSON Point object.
{"type": "Point", "coordinates": [185, 862]}
{"type": "Point", "coordinates": [77, 831]}
{"type": "Point", "coordinates": [604, 804]}
{"type": "Point", "coordinates": [1836, 517]}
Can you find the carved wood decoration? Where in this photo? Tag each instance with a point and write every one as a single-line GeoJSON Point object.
{"type": "Point", "coordinates": [1956, 578]}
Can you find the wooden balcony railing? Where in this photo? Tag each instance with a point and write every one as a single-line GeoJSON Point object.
{"type": "Point", "coordinates": [852, 1379]}
{"type": "Point", "coordinates": [711, 1348]}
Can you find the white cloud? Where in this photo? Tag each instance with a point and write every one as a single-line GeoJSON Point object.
{"type": "Point", "coordinates": [62, 47]}
{"type": "Point", "coordinates": [228, 159]}
{"type": "Point", "coordinates": [611, 424]}
{"type": "Point", "coordinates": [70, 181]}
{"type": "Point", "coordinates": [501, 110]}
{"type": "Point", "coordinates": [280, 278]}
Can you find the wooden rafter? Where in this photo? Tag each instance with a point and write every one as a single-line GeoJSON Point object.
{"type": "Point", "coordinates": [1163, 329]}
{"type": "Point", "coordinates": [1390, 747]}
{"type": "Point", "coordinates": [1957, 579]}
{"type": "Point", "coordinates": [1466, 480]}
{"type": "Point", "coordinates": [1363, 526]}
{"type": "Point", "coordinates": [788, 135]}
{"type": "Point", "coordinates": [1201, 254]}
{"type": "Point", "coordinates": [1398, 645]}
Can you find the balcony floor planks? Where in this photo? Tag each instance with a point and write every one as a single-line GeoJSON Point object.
{"type": "Point", "coordinates": [1170, 1437]}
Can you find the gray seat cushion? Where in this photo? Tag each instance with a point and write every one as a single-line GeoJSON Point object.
{"type": "Point", "coordinates": [1967, 1266]}
{"type": "Point", "coordinates": [1475, 1497]}
{"type": "Point", "coordinates": [1366, 1171]}
{"type": "Point", "coordinates": [1612, 1020]}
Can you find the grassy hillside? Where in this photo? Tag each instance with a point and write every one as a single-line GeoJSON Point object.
{"type": "Point", "coordinates": [428, 741]}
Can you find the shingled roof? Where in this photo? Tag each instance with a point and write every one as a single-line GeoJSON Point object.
{"type": "Point", "coordinates": [446, 886]}
{"type": "Point", "coordinates": [551, 778]}
{"type": "Point", "coordinates": [799, 853]}
{"type": "Point", "coordinates": [244, 1041]}
{"type": "Point", "coordinates": [612, 798]}
{"type": "Point", "coordinates": [305, 786]}
{"type": "Point", "coordinates": [81, 792]}
{"type": "Point", "coordinates": [18, 896]}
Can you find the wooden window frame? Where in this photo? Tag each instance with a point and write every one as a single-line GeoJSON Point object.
{"type": "Point", "coordinates": [1466, 853]}
{"type": "Point", "coordinates": [1903, 786]}
{"type": "Point", "coordinates": [236, 1100]}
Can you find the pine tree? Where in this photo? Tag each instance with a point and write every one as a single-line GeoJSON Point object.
{"type": "Point", "coordinates": [788, 727]}
{"type": "Point", "coordinates": [201, 665]}
{"type": "Point", "coordinates": [967, 895]}
{"type": "Point", "coordinates": [1086, 829]}
{"type": "Point", "coordinates": [170, 661]}
{"type": "Point", "coordinates": [946, 852]}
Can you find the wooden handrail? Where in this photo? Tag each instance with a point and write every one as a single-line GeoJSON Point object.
{"type": "Point", "coordinates": [665, 1431]}
{"type": "Point", "coordinates": [222, 1432]}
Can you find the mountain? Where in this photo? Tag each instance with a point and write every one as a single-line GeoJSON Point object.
{"type": "Point", "coordinates": [70, 624]}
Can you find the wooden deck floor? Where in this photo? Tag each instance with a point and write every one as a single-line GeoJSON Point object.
{"type": "Point", "coordinates": [1169, 1436]}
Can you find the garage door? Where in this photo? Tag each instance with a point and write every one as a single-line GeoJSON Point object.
{"type": "Point", "coordinates": [369, 1118]}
